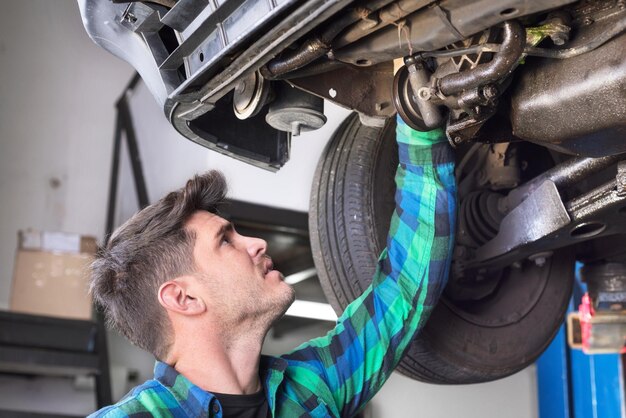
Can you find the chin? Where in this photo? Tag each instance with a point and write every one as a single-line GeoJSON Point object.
{"type": "Point", "coordinates": [282, 303]}
{"type": "Point", "coordinates": [289, 295]}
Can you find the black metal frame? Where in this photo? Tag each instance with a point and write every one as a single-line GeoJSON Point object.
{"type": "Point", "coordinates": [47, 346]}
{"type": "Point", "coordinates": [124, 125]}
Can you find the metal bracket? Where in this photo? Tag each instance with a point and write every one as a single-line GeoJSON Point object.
{"type": "Point", "coordinates": [540, 215]}
{"type": "Point", "coordinates": [543, 222]}
{"type": "Point", "coordinates": [367, 92]}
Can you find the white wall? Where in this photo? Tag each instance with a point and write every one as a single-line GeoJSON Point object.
{"type": "Point", "coordinates": [513, 397]}
{"type": "Point", "coordinates": [56, 122]}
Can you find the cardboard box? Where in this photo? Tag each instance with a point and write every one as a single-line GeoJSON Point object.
{"type": "Point", "coordinates": [51, 274]}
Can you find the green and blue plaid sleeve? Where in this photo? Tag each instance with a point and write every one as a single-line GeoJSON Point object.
{"type": "Point", "coordinates": [345, 368]}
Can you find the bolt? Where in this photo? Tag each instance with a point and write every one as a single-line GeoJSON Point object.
{"type": "Point", "coordinates": [380, 106]}
{"type": "Point", "coordinates": [458, 139]}
{"type": "Point", "coordinates": [424, 93]}
{"type": "Point", "coordinates": [540, 258]}
{"type": "Point", "coordinates": [490, 91]}
{"type": "Point", "coordinates": [516, 265]}
{"type": "Point", "coordinates": [587, 21]}
{"type": "Point", "coordinates": [559, 38]}
{"type": "Point", "coordinates": [409, 61]}
{"type": "Point", "coordinates": [129, 17]}
{"type": "Point", "coordinates": [621, 4]}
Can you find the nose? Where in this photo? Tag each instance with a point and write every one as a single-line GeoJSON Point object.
{"type": "Point", "coordinates": [255, 246]}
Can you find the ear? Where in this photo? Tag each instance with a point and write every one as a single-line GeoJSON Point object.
{"type": "Point", "coordinates": [174, 295]}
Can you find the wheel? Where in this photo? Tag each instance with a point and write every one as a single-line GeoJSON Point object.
{"type": "Point", "coordinates": [464, 341]}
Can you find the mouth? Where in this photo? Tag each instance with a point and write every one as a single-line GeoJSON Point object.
{"type": "Point", "coordinates": [268, 266]}
{"type": "Point", "coordinates": [270, 272]}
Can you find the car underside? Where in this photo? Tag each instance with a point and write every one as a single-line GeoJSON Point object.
{"type": "Point", "coordinates": [531, 94]}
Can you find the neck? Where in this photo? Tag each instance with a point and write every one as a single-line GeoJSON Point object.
{"type": "Point", "coordinates": [219, 361]}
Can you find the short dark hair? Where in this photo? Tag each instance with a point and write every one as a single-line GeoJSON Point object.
{"type": "Point", "coordinates": [151, 248]}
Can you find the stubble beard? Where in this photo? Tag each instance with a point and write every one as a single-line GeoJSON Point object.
{"type": "Point", "coordinates": [274, 307]}
{"type": "Point", "coordinates": [255, 311]}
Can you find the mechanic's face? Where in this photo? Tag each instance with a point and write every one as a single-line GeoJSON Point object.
{"type": "Point", "coordinates": [236, 273]}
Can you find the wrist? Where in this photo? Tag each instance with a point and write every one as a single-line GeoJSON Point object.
{"type": "Point", "coordinates": [407, 135]}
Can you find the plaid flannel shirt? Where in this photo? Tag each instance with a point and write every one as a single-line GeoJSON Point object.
{"type": "Point", "coordinates": [336, 375]}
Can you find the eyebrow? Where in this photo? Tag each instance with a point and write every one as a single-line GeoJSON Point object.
{"type": "Point", "coordinates": [226, 227]}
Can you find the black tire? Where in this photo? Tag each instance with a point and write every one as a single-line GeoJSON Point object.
{"type": "Point", "coordinates": [351, 206]}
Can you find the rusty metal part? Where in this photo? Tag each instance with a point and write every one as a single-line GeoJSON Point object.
{"type": "Point", "coordinates": [469, 108]}
{"type": "Point", "coordinates": [575, 106]}
{"type": "Point", "coordinates": [308, 52]}
{"type": "Point", "coordinates": [621, 178]}
{"type": "Point", "coordinates": [562, 22]}
{"type": "Point", "coordinates": [459, 131]}
{"type": "Point", "coordinates": [600, 39]}
{"type": "Point", "coordinates": [557, 27]}
{"type": "Point", "coordinates": [384, 17]}
{"type": "Point", "coordinates": [550, 224]}
{"type": "Point", "coordinates": [187, 100]}
{"type": "Point", "coordinates": [318, 67]}
{"type": "Point", "coordinates": [411, 89]}
{"type": "Point", "coordinates": [367, 92]}
{"type": "Point", "coordinates": [424, 29]}
{"type": "Point", "coordinates": [501, 170]}
{"type": "Point", "coordinates": [457, 52]}
{"type": "Point", "coordinates": [405, 102]}
{"type": "Point", "coordinates": [541, 214]}
{"type": "Point", "coordinates": [564, 175]}
{"type": "Point", "coordinates": [318, 46]}
{"type": "Point", "coordinates": [500, 66]}
{"type": "Point", "coordinates": [419, 79]}
{"type": "Point", "coordinates": [583, 208]}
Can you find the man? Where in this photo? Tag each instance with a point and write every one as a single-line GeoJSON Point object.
{"type": "Point", "coordinates": [180, 282]}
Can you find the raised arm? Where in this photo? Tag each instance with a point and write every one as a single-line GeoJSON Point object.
{"type": "Point", "coordinates": [350, 364]}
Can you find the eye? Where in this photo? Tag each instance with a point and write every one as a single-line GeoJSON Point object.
{"type": "Point", "coordinates": [225, 240]}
